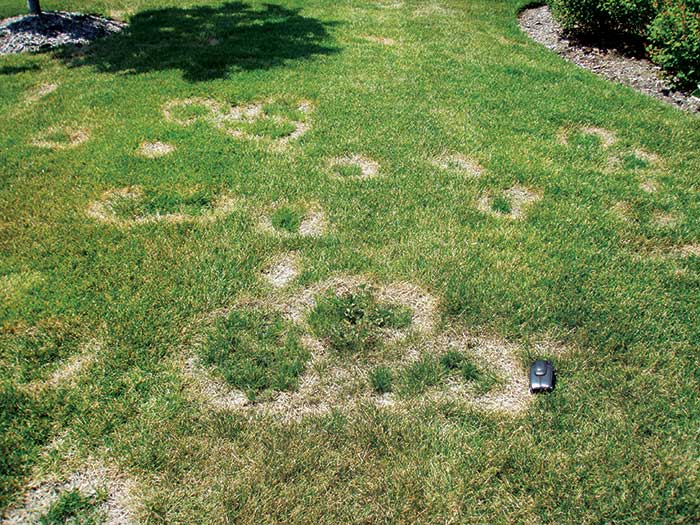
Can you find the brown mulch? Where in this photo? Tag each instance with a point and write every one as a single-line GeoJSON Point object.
{"type": "Point", "coordinates": [628, 65]}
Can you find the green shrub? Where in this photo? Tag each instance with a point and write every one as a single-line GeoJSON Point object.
{"type": "Point", "coordinates": [674, 41]}
{"type": "Point", "coordinates": [598, 16]}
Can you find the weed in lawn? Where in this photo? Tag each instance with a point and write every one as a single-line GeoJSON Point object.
{"type": "Point", "coordinates": [152, 150]}
{"type": "Point", "coordinates": [381, 379]}
{"type": "Point", "coordinates": [132, 206]}
{"type": "Point", "coordinates": [355, 322]}
{"type": "Point", "coordinates": [512, 203]}
{"type": "Point", "coordinates": [353, 167]}
{"type": "Point", "coordinates": [256, 352]}
{"type": "Point", "coordinates": [282, 270]}
{"type": "Point", "coordinates": [60, 137]}
{"type": "Point", "coordinates": [460, 163]}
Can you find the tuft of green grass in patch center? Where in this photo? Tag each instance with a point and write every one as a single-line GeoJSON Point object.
{"type": "Point", "coordinates": [287, 218]}
{"type": "Point", "coordinates": [257, 352]}
{"type": "Point", "coordinates": [501, 205]}
{"type": "Point", "coordinates": [75, 508]}
{"type": "Point", "coordinates": [354, 322]}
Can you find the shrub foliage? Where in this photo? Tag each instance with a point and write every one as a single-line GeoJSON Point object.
{"type": "Point", "coordinates": [671, 28]}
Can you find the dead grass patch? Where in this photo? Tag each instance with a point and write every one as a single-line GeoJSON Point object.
{"type": "Point", "coordinates": [41, 91]}
{"type": "Point", "coordinates": [380, 40]}
{"type": "Point", "coordinates": [152, 150]}
{"type": "Point", "coordinates": [366, 167]}
{"type": "Point", "coordinates": [116, 508]}
{"type": "Point", "coordinates": [282, 270]}
{"type": "Point", "coordinates": [623, 210]}
{"type": "Point", "coordinates": [313, 222]}
{"type": "Point", "coordinates": [422, 304]}
{"type": "Point", "coordinates": [15, 285]}
{"type": "Point", "coordinates": [65, 138]}
{"type": "Point", "coordinates": [689, 250]}
{"type": "Point", "coordinates": [458, 162]}
{"type": "Point", "coordinates": [649, 186]}
{"type": "Point", "coordinates": [233, 120]}
{"type": "Point", "coordinates": [103, 210]}
{"type": "Point", "coordinates": [665, 220]}
{"type": "Point", "coordinates": [493, 354]}
{"type": "Point", "coordinates": [209, 110]}
{"type": "Point", "coordinates": [519, 200]}
{"type": "Point", "coordinates": [607, 137]}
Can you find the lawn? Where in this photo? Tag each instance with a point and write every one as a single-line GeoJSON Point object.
{"type": "Point", "coordinates": [290, 263]}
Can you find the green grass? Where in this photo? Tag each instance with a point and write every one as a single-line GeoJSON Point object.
{"type": "Point", "coordinates": [616, 442]}
{"type": "Point", "coordinates": [355, 322]}
{"type": "Point", "coordinates": [162, 203]}
{"type": "Point", "coordinates": [287, 218]}
{"type": "Point", "coordinates": [381, 379]}
{"type": "Point", "coordinates": [255, 352]}
{"type": "Point", "coordinates": [500, 204]}
{"type": "Point", "coordinates": [73, 507]}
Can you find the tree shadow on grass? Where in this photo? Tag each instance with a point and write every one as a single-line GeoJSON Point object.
{"type": "Point", "coordinates": [207, 42]}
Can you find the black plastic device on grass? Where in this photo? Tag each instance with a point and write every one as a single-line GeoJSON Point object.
{"type": "Point", "coordinates": [541, 377]}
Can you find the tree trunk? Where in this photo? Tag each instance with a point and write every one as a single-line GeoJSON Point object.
{"type": "Point", "coordinates": [34, 7]}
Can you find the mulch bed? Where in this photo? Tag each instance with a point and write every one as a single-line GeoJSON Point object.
{"type": "Point", "coordinates": [618, 63]}
{"type": "Point", "coordinates": [32, 33]}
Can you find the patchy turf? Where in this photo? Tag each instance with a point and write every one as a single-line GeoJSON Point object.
{"type": "Point", "coordinates": [290, 263]}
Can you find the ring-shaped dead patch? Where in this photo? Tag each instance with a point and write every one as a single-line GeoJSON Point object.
{"type": "Point", "coordinates": [103, 490]}
{"type": "Point", "coordinates": [240, 121]}
{"type": "Point", "coordinates": [291, 219]}
{"type": "Point", "coordinates": [459, 163]}
{"type": "Point", "coordinates": [510, 395]}
{"type": "Point", "coordinates": [208, 110]}
{"type": "Point", "coordinates": [607, 138]}
{"type": "Point", "coordinates": [105, 210]}
{"type": "Point", "coordinates": [649, 186]}
{"type": "Point", "coordinates": [70, 368]}
{"type": "Point", "coordinates": [329, 382]}
{"type": "Point", "coordinates": [385, 41]}
{"type": "Point", "coordinates": [61, 137]}
{"type": "Point", "coordinates": [512, 203]}
{"type": "Point", "coordinates": [353, 167]}
{"type": "Point", "coordinates": [41, 91]}
{"type": "Point", "coordinates": [153, 150]}
{"type": "Point", "coordinates": [423, 306]}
